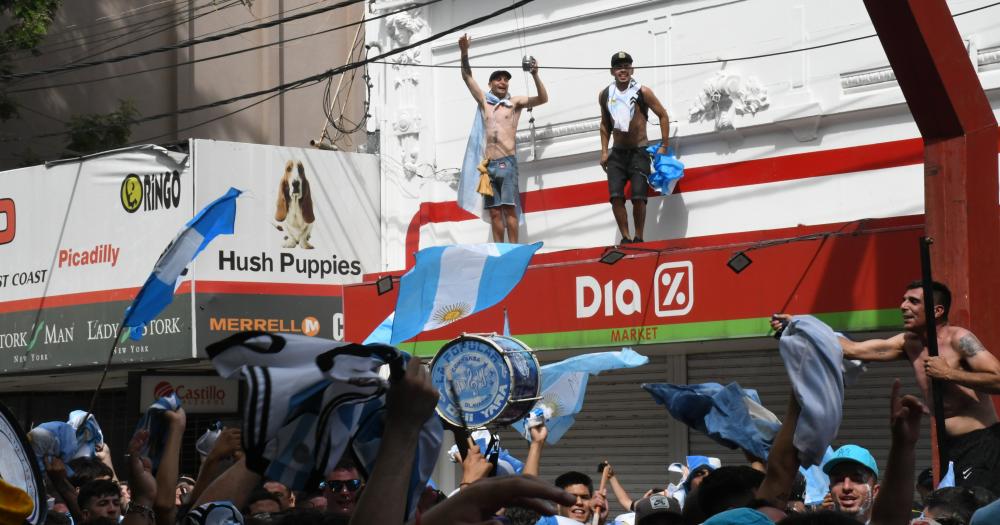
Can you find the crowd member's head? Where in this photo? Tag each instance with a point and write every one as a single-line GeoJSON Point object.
{"type": "Point", "coordinates": [912, 308]}
{"type": "Point", "coordinates": [581, 486]}
{"type": "Point", "coordinates": [728, 488]}
{"type": "Point", "coordinates": [853, 481]}
{"type": "Point", "coordinates": [284, 494]}
{"type": "Point", "coordinates": [262, 502]}
{"type": "Point", "coordinates": [925, 485]}
{"type": "Point", "coordinates": [87, 469]}
{"type": "Point", "coordinates": [100, 521]}
{"type": "Point", "coordinates": [696, 476]}
{"type": "Point", "coordinates": [315, 500]}
{"type": "Point", "coordinates": [521, 516]}
{"type": "Point", "coordinates": [658, 510]}
{"type": "Point", "coordinates": [797, 498]}
{"type": "Point", "coordinates": [184, 486]}
{"type": "Point", "coordinates": [342, 488]}
{"type": "Point", "coordinates": [739, 516]}
{"type": "Point", "coordinates": [101, 498]}
{"type": "Point", "coordinates": [951, 506]}
{"type": "Point", "coordinates": [126, 496]}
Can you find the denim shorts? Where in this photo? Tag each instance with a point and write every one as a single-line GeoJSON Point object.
{"type": "Point", "coordinates": [503, 179]}
{"type": "Point", "coordinates": [628, 165]}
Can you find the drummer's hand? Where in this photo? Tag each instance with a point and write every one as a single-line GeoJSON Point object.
{"type": "Point", "coordinates": [413, 398]}
{"type": "Point", "coordinates": [539, 433]}
{"type": "Point", "coordinates": [474, 466]}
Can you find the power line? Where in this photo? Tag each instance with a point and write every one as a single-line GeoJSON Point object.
{"type": "Point", "coordinates": [179, 45]}
{"type": "Point", "coordinates": [214, 57]}
{"type": "Point", "coordinates": [315, 79]}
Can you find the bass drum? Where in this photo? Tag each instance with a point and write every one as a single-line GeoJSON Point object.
{"type": "Point", "coordinates": [487, 380]}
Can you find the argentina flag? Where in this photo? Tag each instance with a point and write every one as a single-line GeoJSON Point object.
{"type": "Point", "coordinates": [449, 283]}
{"type": "Point", "coordinates": [215, 219]}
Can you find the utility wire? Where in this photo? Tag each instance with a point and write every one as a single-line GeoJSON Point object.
{"type": "Point", "coordinates": [214, 57]}
{"type": "Point", "coordinates": [315, 79]}
{"type": "Point", "coordinates": [60, 44]}
{"type": "Point", "coordinates": [180, 45]}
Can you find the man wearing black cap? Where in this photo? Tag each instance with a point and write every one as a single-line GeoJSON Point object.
{"type": "Point", "coordinates": [500, 113]}
{"type": "Point", "coordinates": [625, 106]}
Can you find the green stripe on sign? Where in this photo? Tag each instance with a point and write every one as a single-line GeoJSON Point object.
{"type": "Point", "coordinates": [861, 320]}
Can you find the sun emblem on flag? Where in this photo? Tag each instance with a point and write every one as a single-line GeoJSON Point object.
{"type": "Point", "coordinates": [450, 313]}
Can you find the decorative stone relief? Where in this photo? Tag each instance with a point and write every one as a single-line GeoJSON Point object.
{"type": "Point", "coordinates": [725, 95]}
{"type": "Point", "coordinates": [403, 110]}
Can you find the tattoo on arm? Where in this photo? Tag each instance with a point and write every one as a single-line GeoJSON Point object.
{"type": "Point", "coordinates": [969, 345]}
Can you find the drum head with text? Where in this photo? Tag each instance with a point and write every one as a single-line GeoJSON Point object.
{"type": "Point", "coordinates": [473, 379]}
{"type": "Point", "coordinates": [18, 465]}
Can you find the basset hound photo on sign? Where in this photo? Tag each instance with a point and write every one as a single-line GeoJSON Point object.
{"type": "Point", "coordinates": [295, 207]}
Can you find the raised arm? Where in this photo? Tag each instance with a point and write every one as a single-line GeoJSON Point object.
{"type": "Point", "coordinates": [620, 494]}
{"type": "Point", "coordinates": [895, 496]}
{"type": "Point", "coordinates": [783, 461]}
{"type": "Point", "coordinates": [983, 374]}
{"type": "Point", "coordinates": [166, 475]}
{"type": "Point", "coordinates": [463, 46]}
{"type": "Point", "coordinates": [871, 350]}
{"type": "Point", "coordinates": [542, 96]}
{"type": "Point", "coordinates": [661, 113]}
{"type": "Point", "coordinates": [538, 435]}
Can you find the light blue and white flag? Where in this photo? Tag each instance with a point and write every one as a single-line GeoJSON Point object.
{"type": "Point", "coordinates": [449, 283]}
{"type": "Point", "coordinates": [310, 400]}
{"type": "Point", "coordinates": [565, 383]}
{"type": "Point", "coordinates": [215, 219]}
{"type": "Point", "coordinates": [730, 415]}
{"type": "Point", "coordinates": [152, 421]}
{"type": "Point", "coordinates": [88, 433]}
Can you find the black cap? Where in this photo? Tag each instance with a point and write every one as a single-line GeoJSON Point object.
{"type": "Point", "coordinates": [620, 57]}
{"type": "Point", "coordinates": [499, 72]}
{"type": "Point", "coordinates": [656, 504]}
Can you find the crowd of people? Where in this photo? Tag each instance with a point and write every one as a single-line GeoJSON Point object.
{"type": "Point", "coordinates": [228, 489]}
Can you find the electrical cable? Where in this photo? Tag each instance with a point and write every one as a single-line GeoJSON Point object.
{"type": "Point", "coordinates": [173, 47]}
{"type": "Point", "coordinates": [319, 77]}
{"type": "Point", "coordinates": [213, 57]}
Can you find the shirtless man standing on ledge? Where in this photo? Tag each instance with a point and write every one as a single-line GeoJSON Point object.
{"type": "Point", "coordinates": [966, 370]}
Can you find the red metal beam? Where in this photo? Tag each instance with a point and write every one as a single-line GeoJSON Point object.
{"type": "Point", "coordinates": [951, 110]}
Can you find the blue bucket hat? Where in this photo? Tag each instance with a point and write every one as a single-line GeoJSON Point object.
{"type": "Point", "coordinates": [852, 453]}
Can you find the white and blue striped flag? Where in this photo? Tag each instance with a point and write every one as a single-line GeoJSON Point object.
{"type": "Point", "coordinates": [214, 219]}
{"type": "Point", "coordinates": [565, 383]}
{"type": "Point", "coordinates": [449, 283]}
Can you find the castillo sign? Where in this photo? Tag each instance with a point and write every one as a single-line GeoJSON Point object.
{"type": "Point", "coordinates": [199, 394]}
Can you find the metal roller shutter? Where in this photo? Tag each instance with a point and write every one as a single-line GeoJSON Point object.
{"type": "Point", "coordinates": [866, 404]}
{"type": "Point", "coordinates": [619, 422]}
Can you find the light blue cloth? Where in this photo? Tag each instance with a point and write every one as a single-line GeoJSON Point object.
{"type": "Point", "coordinates": [54, 439]}
{"type": "Point", "coordinates": [817, 482]}
{"type": "Point", "coordinates": [988, 515]}
{"type": "Point", "coordinates": [667, 170]}
{"type": "Point", "coordinates": [88, 433]}
{"type": "Point", "coordinates": [448, 283]}
{"type": "Point", "coordinates": [152, 421]}
{"type": "Point", "coordinates": [741, 516]}
{"type": "Point", "coordinates": [468, 198]}
{"type": "Point", "coordinates": [565, 383]}
{"type": "Point", "coordinates": [948, 480]}
{"type": "Point", "coordinates": [814, 362]}
{"type": "Point", "coordinates": [721, 413]}
{"type": "Point", "coordinates": [216, 218]}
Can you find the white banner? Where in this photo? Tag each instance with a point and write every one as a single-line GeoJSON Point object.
{"type": "Point", "coordinates": [307, 216]}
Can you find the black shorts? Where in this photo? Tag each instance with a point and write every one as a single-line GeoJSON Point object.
{"type": "Point", "coordinates": [628, 165]}
{"type": "Point", "coordinates": [977, 458]}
